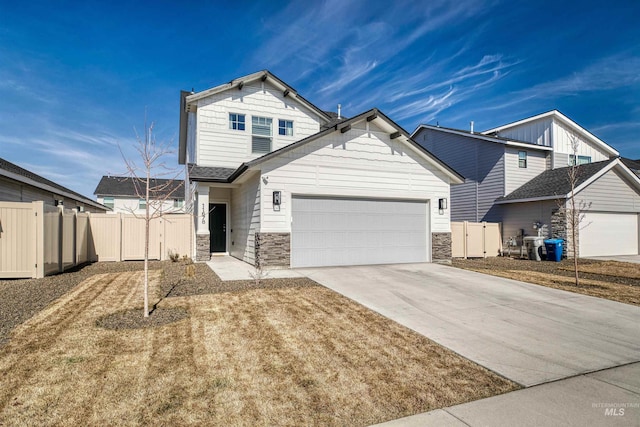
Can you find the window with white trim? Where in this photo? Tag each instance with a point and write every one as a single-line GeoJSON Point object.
{"type": "Point", "coordinates": [178, 203]}
{"type": "Point", "coordinates": [236, 121]}
{"type": "Point", "coordinates": [108, 202]}
{"type": "Point", "coordinates": [261, 134]}
{"type": "Point", "coordinates": [142, 204]}
{"type": "Point", "coordinates": [285, 127]}
{"type": "Point", "coordinates": [522, 159]}
{"type": "Point", "coordinates": [582, 160]}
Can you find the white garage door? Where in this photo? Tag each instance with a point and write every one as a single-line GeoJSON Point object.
{"type": "Point", "coordinates": [608, 234]}
{"type": "Point", "coordinates": [336, 231]}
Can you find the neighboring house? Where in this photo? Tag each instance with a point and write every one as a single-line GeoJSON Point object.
{"type": "Point", "coordinates": [517, 174]}
{"type": "Point", "coordinates": [127, 195]}
{"type": "Point", "coordinates": [20, 185]}
{"type": "Point", "coordinates": [634, 165]}
{"type": "Point", "coordinates": [279, 182]}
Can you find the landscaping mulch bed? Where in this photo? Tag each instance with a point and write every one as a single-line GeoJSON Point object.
{"type": "Point", "coordinates": [134, 319]}
{"type": "Point", "coordinates": [179, 281]}
{"type": "Point", "coordinates": [617, 281]}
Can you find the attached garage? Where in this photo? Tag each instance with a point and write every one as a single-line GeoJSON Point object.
{"type": "Point", "coordinates": [608, 234]}
{"type": "Point", "coordinates": [330, 231]}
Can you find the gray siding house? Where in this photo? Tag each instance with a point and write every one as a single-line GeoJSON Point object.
{"type": "Point", "coordinates": [21, 185]}
{"type": "Point", "coordinates": [517, 174]}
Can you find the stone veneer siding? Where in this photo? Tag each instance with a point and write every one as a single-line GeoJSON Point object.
{"type": "Point", "coordinates": [441, 247]}
{"type": "Point", "coordinates": [203, 247]}
{"type": "Point", "coordinates": [560, 230]}
{"type": "Point", "coordinates": [273, 249]}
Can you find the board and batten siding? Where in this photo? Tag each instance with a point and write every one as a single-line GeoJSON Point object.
{"type": "Point", "coordinates": [538, 132]}
{"type": "Point", "coordinates": [217, 145]}
{"type": "Point", "coordinates": [479, 162]}
{"type": "Point", "coordinates": [359, 163]}
{"type": "Point", "coordinates": [516, 176]}
{"type": "Point", "coordinates": [245, 219]}
{"type": "Point", "coordinates": [562, 144]}
{"type": "Point", "coordinates": [610, 193]}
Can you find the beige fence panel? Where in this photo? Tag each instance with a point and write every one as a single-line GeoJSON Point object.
{"type": "Point", "coordinates": [105, 236]}
{"type": "Point", "coordinates": [17, 240]}
{"type": "Point", "coordinates": [178, 233]}
{"type": "Point", "coordinates": [492, 239]}
{"type": "Point", "coordinates": [458, 240]}
{"type": "Point", "coordinates": [68, 237]}
{"type": "Point", "coordinates": [82, 238]}
{"type": "Point", "coordinates": [475, 240]}
{"type": "Point", "coordinates": [133, 230]}
{"type": "Point", "coordinates": [51, 244]}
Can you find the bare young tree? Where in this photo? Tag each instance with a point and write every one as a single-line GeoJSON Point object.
{"type": "Point", "coordinates": [156, 191]}
{"type": "Point", "coordinates": [574, 210]}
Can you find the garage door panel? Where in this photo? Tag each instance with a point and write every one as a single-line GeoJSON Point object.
{"type": "Point", "coordinates": [334, 231]}
{"type": "Point", "coordinates": [603, 234]}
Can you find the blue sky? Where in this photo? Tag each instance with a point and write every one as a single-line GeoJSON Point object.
{"type": "Point", "coordinates": [77, 76]}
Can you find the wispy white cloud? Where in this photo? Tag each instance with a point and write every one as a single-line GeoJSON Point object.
{"type": "Point", "coordinates": [618, 71]}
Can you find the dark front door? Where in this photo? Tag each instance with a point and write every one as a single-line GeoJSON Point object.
{"type": "Point", "coordinates": [218, 227]}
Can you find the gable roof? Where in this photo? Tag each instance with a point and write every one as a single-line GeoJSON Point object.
{"type": "Point", "coordinates": [482, 137]}
{"type": "Point", "coordinates": [16, 173]}
{"type": "Point", "coordinates": [188, 101]}
{"type": "Point", "coordinates": [371, 115]}
{"type": "Point", "coordinates": [554, 184]}
{"type": "Point", "coordinates": [557, 115]}
{"type": "Point", "coordinates": [125, 186]}
{"type": "Point", "coordinates": [209, 173]}
{"type": "Point", "coordinates": [634, 165]}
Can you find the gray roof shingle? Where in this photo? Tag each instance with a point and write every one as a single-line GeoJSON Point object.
{"type": "Point", "coordinates": [209, 174]}
{"type": "Point", "coordinates": [127, 186]}
{"type": "Point", "coordinates": [554, 182]}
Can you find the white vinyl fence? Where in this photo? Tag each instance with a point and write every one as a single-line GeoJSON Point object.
{"type": "Point", "coordinates": [475, 239]}
{"type": "Point", "coordinates": [38, 239]}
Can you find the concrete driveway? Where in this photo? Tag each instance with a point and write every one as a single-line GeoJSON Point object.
{"type": "Point", "coordinates": [527, 333]}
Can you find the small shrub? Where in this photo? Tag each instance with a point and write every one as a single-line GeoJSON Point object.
{"type": "Point", "coordinates": [173, 256]}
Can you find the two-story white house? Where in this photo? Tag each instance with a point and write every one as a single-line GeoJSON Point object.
{"type": "Point", "coordinates": [517, 174]}
{"type": "Point", "coordinates": [123, 194]}
{"type": "Point", "coordinates": [277, 181]}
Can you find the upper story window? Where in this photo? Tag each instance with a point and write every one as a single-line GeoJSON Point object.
{"type": "Point", "coordinates": [522, 159]}
{"type": "Point", "coordinates": [178, 203]}
{"type": "Point", "coordinates": [236, 121]}
{"type": "Point", "coordinates": [260, 134]}
{"type": "Point", "coordinates": [582, 160]}
{"type": "Point", "coordinates": [285, 127]}
{"type": "Point", "coordinates": [142, 204]}
{"type": "Point", "coordinates": [108, 202]}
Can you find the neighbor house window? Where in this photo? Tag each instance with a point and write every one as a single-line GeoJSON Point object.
{"type": "Point", "coordinates": [522, 159]}
{"type": "Point", "coordinates": [236, 121]}
{"type": "Point", "coordinates": [260, 134]}
{"type": "Point", "coordinates": [582, 160]}
{"type": "Point", "coordinates": [142, 204]}
{"type": "Point", "coordinates": [285, 127]}
{"type": "Point", "coordinates": [178, 203]}
{"type": "Point", "coordinates": [108, 202]}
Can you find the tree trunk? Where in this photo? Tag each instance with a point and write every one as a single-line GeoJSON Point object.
{"type": "Point", "coordinates": [146, 250]}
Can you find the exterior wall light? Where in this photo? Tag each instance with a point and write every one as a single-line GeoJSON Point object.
{"type": "Point", "coordinates": [442, 204]}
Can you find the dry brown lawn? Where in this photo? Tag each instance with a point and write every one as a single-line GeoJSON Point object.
{"type": "Point", "coordinates": [617, 281]}
{"type": "Point", "coordinates": [288, 356]}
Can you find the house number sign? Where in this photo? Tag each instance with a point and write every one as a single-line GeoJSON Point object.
{"type": "Point", "coordinates": [203, 214]}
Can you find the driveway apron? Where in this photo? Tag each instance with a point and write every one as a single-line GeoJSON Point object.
{"type": "Point", "coordinates": [528, 333]}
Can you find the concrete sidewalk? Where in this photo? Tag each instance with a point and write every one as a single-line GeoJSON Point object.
{"type": "Point", "coordinates": [604, 398]}
{"type": "Point", "coordinates": [230, 268]}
